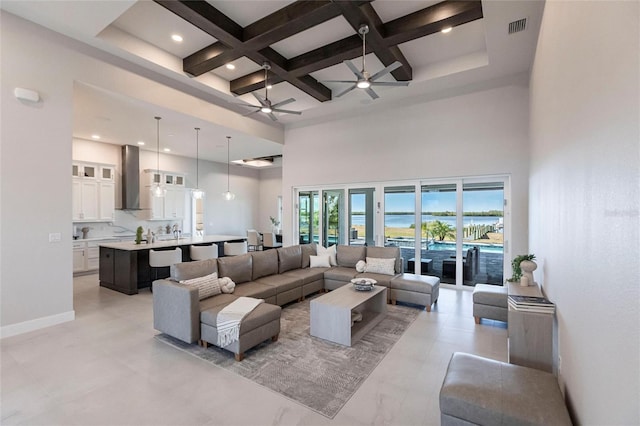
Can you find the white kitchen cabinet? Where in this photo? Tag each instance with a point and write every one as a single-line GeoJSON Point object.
{"type": "Point", "coordinates": [172, 205]}
{"type": "Point", "coordinates": [93, 192]}
{"type": "Point", "coordinates": [106, 200]}
{"type": "Point", "coordinates": [85, 200]}
{"type": "Point", "coordinates": [78, 259]}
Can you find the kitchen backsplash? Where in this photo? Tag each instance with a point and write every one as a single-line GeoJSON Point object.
{"type": "Point", "coordinates": [125, 224]}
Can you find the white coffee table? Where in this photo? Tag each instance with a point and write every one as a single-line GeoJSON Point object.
{"type": "Point", "coordinates": [331, 313]}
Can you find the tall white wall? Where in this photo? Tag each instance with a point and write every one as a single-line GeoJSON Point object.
{"type": "Point", "coordinates": [36, 159]}
{"type": "Point", "coordinates": [584, 200]}
{"type": "Point", "coordinates": [483, 133]}
{"type": "Point", "coordinates": [270, 190]}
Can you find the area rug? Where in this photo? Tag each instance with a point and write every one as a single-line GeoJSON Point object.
{"type": "Point", "coordinates": [313, 372]}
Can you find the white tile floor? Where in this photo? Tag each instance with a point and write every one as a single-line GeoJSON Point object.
{"type": "Point", "coordinates": [106, 368]}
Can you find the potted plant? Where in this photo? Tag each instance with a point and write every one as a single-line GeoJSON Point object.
{"type": "Point", "coordinates": [517, 269]}
{"type": "Point", "coordinates": [139, 232]}
{"type": "Point", "coordinates": [274, 224]}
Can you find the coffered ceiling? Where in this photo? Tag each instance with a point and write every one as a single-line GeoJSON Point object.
{"type": "Point", "coordinates": [306, 43]}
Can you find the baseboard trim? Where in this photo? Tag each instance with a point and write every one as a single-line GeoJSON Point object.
{"type": "Point", "coordinates": [36, 324]}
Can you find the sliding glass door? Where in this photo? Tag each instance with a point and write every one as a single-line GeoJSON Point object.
{"type": "Point", "coordinates": [438, 227]}
{"type": "Point", "coordinates": [308, 217]}
{"type": "Point", "coordinates": [332, 217]}
{"type": "Point", "coordinates": [400, 221]}
{"type": "Point", "coordinates": [362, 217]}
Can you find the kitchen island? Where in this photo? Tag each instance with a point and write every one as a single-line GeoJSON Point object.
{"type": "Point", "coordinates": [124, 266]}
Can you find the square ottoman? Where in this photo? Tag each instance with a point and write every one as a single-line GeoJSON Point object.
{"type": "Point", "coordinates": [418, 289]}
{"type": "Point", "coordinates": [259, 325]}
{"type": "Point", "coordinates": [490, 301]}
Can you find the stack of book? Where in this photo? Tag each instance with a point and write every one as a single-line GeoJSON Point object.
{"type": "Point", "coordinates": [531, 304]}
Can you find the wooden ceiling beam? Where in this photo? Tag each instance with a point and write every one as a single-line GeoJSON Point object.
{"type": "Point", "coordinates": [430, 20]}
{"type": "Point", "coordinates": [366, 15]}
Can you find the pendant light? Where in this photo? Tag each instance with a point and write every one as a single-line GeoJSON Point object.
{"type": "Point", "coordinates": [228, 195]}
{"type": "Point", "coordinates": [157, 189]}
{"type": "Point", "coordinates": [197, 193]}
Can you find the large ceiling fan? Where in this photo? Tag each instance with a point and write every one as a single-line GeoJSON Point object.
{"type": "Point", "coordinates": [365, 80]}
{"type": "Point", "coordinates": [266, 106]}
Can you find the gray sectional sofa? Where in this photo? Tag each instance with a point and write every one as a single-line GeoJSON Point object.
{"type": "Point", "coordinates": [278, 276]}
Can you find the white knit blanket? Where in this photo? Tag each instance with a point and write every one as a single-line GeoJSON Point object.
{"type": "Point", "coordinates": [228, 320]}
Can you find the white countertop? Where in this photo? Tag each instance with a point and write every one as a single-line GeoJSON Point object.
{"type": "Point", "coordinates": [132, 246]}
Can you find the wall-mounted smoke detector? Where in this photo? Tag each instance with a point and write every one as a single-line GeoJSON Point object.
{"type": "Point", "coordinates": [518, 26]}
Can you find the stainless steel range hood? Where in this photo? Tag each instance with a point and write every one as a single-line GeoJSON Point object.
{"type": "Point", "coordinates": [130, 177]}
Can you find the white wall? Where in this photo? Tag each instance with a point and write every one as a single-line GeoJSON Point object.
{"type": "Point", "coordinates": [36, 154]}
{"type": "Point", "coordinates": [584, 200]}
{"type": "Point", "coordinates": [270, 190]}
{"type": "Point", "coordinates": [483, 133]}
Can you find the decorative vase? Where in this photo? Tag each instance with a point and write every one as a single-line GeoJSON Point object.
{"type": "Point", "coordinates": [527, 267]}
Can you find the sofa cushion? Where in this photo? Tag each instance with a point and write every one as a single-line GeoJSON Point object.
{"type": "Point", "coordinates": [220, 299]}
{"type": "Point", "coordinates": [386, 253]}
{"type": "Point", "coordinates": [348, 256]}
{"type": "Point", "coordinates": [377, 265]}
{"type": "Point", "coordinates": [307, 250]}
{"type": "Point", "coordinates": [238, 268]}
{"type": "Point", "coordinates": [338, 273]}
{"type": "Point", "coordinates": [320, 261]}
{"type": "Point", "coordinates": [264, 263]}
{"type": "Point", "coordinates": [289, 258]}
{"type": "Point", "coordinates": [281, 282]}
{"type": "Point", "coordinates": [330, 251]}
{"type": "Point", "coordinates": [207, 286]}
{"type": "Point", "coordinates": [254, 289]}
{"type": "Point", "coordinates": [189, 270]}
{"type": "Point", "coordinates": [307, 275]}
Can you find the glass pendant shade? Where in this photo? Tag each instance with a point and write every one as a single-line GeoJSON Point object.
{"type": "Point", "coordinates": [228, 195]}
{"type": "Point", "coordinates": [197, 193]}
{"type": "Point", "coordinates": [157, 189]}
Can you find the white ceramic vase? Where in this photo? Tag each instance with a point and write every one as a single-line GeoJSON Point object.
{"type": "Point", "coordinates": [527, 267]}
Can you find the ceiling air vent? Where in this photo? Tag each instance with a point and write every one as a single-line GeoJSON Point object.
{"type": "Point", "coordinates": [517, 26]}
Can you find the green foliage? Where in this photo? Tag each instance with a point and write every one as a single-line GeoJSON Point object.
{"type": "Point", "coordinates": [139, 232]}
{"type": "Point", "coordinates": [274, 221]}
{"type": "Point", "coordinates": [439, 230]}
{"type": "Point", "coordinates": [515, 265]}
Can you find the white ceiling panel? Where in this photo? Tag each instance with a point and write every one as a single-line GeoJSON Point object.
{"type": "Point", "coordinates": [318, 36]}
{"type": "Point", "coordinates": [245, 12]}
{"type": "Point", "coordinates": [388, 10]}
{"type": "Point", "coordinates": [243, 66]}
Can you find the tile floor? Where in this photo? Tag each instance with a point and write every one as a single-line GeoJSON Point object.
{"type": "Point", "coordinates": [106, 368]}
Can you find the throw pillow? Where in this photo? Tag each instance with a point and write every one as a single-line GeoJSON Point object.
{"type": "Point", "coordinates": [331, 252]}
{"type": "Point", "coordinates": [380, 266]}
{"type": "Point", "coordinates": [319, 261]}
{"type": "Point", "coordinates": [226, 285]}
{"type": "Point", "coordinates": [207, 286]}
{"type": "Point", "coordinates": [361, 266]}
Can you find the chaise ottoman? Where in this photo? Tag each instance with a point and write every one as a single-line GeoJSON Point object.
{"type": "Point", "coordinates": [418, 289]}
{"type": "Point", "coordinates": [482, 391]}
{"type": "Point", "coordinates": [490, 301]}
{"type": "Point", "coordinates": [259, 325]}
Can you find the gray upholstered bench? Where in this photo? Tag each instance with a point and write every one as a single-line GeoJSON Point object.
{"type": "Point", "coordinates": [481, 391]}
{"type": "Point", "coordinates": [259, 325]}
{"type": "Point", "coordinates": [418, 289]}
{"type": "Point", "coordinates": [490, 301]}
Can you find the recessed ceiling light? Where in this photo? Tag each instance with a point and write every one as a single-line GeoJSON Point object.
{"type": "Point", "coordinates": [446, 30]}
{"type": "Point", "coordinates": [230, 67]}
{"type": "Point", "coordinates": [176, 37]}
{"type": "Point", "coordinates": [167, 150]}
{"type": "Point", "coordinates": [96, 137]}
{"type": "Point", "coordinates": [140, 143]}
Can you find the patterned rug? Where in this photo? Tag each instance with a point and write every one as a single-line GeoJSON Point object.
{"type": "Point", "coordinates": [298, 363]}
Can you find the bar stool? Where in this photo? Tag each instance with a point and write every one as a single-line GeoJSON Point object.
{"type": "Point", "coordinates": [162, 259]}
{"type": "Point", "coordinates": [203, 252]}
{"type": "Point", "coordinates": [235, 249]}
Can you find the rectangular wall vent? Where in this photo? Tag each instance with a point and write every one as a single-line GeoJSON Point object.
{"type": "Point", "coordinates": [517, 26]}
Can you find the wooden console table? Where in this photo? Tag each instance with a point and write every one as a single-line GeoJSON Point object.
{"type": "Point", "coordinates": [530, 333]}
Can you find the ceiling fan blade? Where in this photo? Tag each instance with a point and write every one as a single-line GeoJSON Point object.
{"type": "Point", "coordinates": [346, 91]}
{"type": "Point", "coordinates": [387, 70]}
{"type": "Point", "coordinates": [389, 83]}
{"type": "Point", "coordinates": [273, 117]}
{"type": "Point", "coordinates": [286, 111]}
{"type": "Point", "coordinates": [262, 101]}
{"type": "Point", "coordinates": [245, 104]}
{"type": "Point", "coordinates": [338, 81]}
{"type": "Point", "coordinates": [287, 101]}
{"type": "Point", "coordinates": [354, 69]}
{"type": "Point", "coordinates": [371, 93]}
{"type": "Point", "coordinates": [251, 112]}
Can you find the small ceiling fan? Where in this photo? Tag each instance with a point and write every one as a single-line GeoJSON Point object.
{"type": "Point", "coordinates": [265, 104]}
{"type": "Point", "coordinates": [365, 80]}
